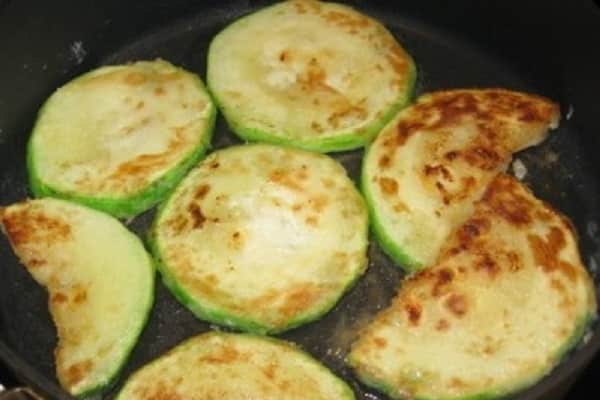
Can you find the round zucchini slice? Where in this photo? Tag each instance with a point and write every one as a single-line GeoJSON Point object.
{"type": "Point", "coordinates": [507, 299]}
{"type": "Point", "coordinates": [100, 283]}
{"type": "Point", "coordinates": [119, 138]}
{"type": "Point", "coordinates": [235, 366]}
{"type": "Point", "coordinates": [315, 75]}
{"type": "Point", "coordinates": [262, 238]}
{"type": "Point", "coordinates": [423, 173]}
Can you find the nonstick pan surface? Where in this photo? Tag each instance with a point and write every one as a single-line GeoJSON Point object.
{"type": "Point", "coordinates": [562, 171]}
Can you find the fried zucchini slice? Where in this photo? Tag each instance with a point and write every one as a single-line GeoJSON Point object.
{"type": "Point", "coordinates": [229, 366]}
{"type": "Point", "coordinates": [119, 138]}
{"type": "Point", "coordinates": [262, 238]}
{"type": "Point", "coordinates": [100, 283]}
{"type": "Point", "coordinates": [315, 75]}
{"type": "Point", "coordinates": [425, 170]}
{"type": "Point", "coordinates": [507, 299]}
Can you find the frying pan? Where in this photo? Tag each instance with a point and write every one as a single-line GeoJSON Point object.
{"type": "Point", "coordinates": [549, 47]}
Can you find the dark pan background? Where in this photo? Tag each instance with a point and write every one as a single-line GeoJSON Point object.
{"type": "Point", "coordinates": [546, 47]}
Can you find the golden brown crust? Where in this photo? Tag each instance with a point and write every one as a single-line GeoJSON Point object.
{"type": "Point", "coordinates": [508, 293]}
{"type": "Point", "coordinates": [429, 166]}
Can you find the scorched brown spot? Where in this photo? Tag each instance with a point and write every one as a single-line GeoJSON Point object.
{"type": "Point", "coordinates": [318, 203]}
{"type": "Point", "coordinates": [546, 252]}
{"type": "Point", "coordinates": [328, 182]}
{"type": "Point", "coordinates": [457, 383]}
{"type": "Point", "coordinates": [304, 6]}
{"type": "Point", "coordinates": [312, 221]}
{"type": "Point", "coordinates": [514, 261]}
{"type": "Point", "coordinates": [451, 155]}
{"type": "Point", "coordinates": [77, 372]}
{"type": "Point", "coordinates": [283, 178]}
{"type": "Point", "coordinates": [349, 112]}
{"type": "Point", "coordinates": [196, 215]}
{"type": "Point", "coordinates": [299, 299]}
{"type": "Point", "coordinates": [388, 186]}
{"type": "Point", "coordinates": [379, 342]}
{"type": "Point", "coordinates": [237, 242]}
{"type": "Point", "coordinates": [456, 304]}
{"type": "Point", "coordinates": [413, 312]}
{"type": "Point", "coordinates": [351, 22]}
{"type": "Point", "coordinates": [438, 170]}
{"type": "Point", "coordinates": [135, 78]}
{"type": "Point", "coordinates": [80, 295]}
{"type": "Point", "coordinates": [401, 207]}
{"type": "Point", "coordinates": [201, 191]}
{"type": "Point", "coordinates": [503, 197]}
{"type": "Point", "coordinates": [471, 230]}
{"type": "Point", "coordinates": [269, 371]}
{"type": "Point", "coordinates": [442, 325]}
{"type": "Point", "coordinates": [159, 391]}
{"type": "Point", "coordinates": [225, 355]}
{"type": "Point", "coordinates": [34, 262]}
{"type": "Point", "coordinates": [138, 169]}
{"type": "Point", "coordinates": [384, 161]}
{"type": "Point", "coordinates": [177, 224]}
{"type": "Point", "coordinates": [486, 158]}
{"type": "Point", "coordinates": [485, 262]}
{"type": "Point", "coordinates": [405, 129]}
{"type": "Point", "coordinates": [443, 278]}
{"type": "Point", "coordinates": [59, 298]}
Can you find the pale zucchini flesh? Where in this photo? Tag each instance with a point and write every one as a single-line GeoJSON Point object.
{"type": "Point", "coordinates": [262, 238]}
{"type": "Point", "coordinates": [100, 284]}
{"type": "Point", "coordinates": [229, 366]}
{"type": "Point", "coordinates": [507, 299]}
{"type": "Point", "coordinates": [120, 137]}
{"type": "Point", "coordinates": [423, 173]}
{"type": "Point", "coordinates": [315, 75]}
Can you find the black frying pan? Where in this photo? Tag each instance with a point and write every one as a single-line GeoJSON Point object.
{"type": "Point", "coordinates": [546, 47]}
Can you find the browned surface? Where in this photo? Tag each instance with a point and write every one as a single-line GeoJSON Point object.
{"type": "Point", "coordinates": [143, 166]}
{"type": "Point", "coordinates": [29, 224]}
{"type": "Point", "coordinates": [500, 121]}
{"type": "Point", "coordinates": [158, 391]}
{"type": "Point", "coordinates": [226, 354]}
{"type": "Point", "coordinates": [300, 298]}
{"type": "Point", "coordinates": [457, 304]}
{"type": "Point", "coordinates": [312, 82]}
{"type": "Point", "coordinates": [512, 243]}
{"type": "Point", "coordinates": [444, 110]}
{"type": "Point", "coordinates": [389, 186]}
{"type": "Point", "coordinates": [413, 312]}
{"type": "Point", "coordinates": [75, 373]}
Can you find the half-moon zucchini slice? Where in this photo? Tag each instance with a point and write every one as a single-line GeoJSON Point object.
{"type": "Point", "coordinates": [425, 170]}
{"type": "Point", "coordinates": [235, 366]}
{"type": "Point", "coordinates": [119, 138]}
{"type": "Point", "coordinates": [316, 75]}
{"type": "Point", "coordinates": [507, 299]}
{"type": "Point", "coordinates": [100, 283]}
{"type": "Point", "coordinates": [262, 238]}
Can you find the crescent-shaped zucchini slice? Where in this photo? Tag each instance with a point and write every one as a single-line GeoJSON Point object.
{"type": "Point", "coordinates": [316, 75]}
{"type": "Point", "coordinates": [262, 238]}
{"type": "Point", "coordinates": [425, 170]}
{"type": "Point", "coordinates": [119, 138]}
{"type": "Point", "coordinates": [230, 366]}
{"type": "Point", "coordinates": [100, 283]}
{"type": "Point", "coordinates": [507, 299]}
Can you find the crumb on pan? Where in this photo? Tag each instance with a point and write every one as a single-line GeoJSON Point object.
{"type": "Point", "coordinates": [519, 169]}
